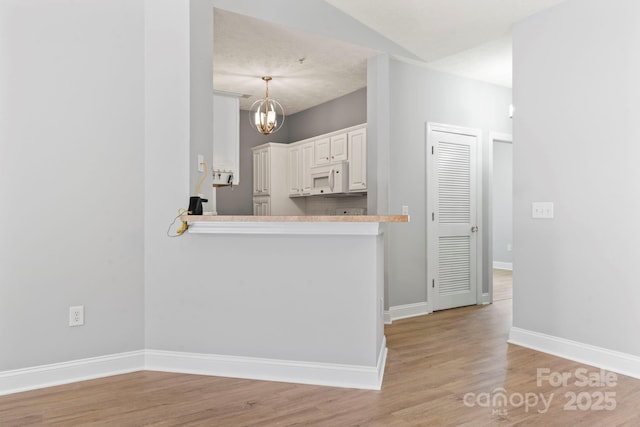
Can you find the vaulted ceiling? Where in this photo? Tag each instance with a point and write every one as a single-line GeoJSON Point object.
{"type": "Point", "coordinates": [471, 38]}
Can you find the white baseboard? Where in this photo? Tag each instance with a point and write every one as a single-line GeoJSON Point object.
{"type": "Point", "coordinates": [405, 311]}
{"type": "Point", "coordinates": [327, 374]}
{"type": "Point", "coordinates": [498, 265]}
{"type": "Point", "coordinates": [387, 317]}
{"type": "Point", "coordinates": [611, 360]}
{"type": "Point", "coordinates": [485, 299]}
{"type": "Point", "coordinates": [18, 380]}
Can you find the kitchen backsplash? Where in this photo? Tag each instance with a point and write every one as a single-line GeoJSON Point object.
{"type": "Point", "coordinates": [319, 205]}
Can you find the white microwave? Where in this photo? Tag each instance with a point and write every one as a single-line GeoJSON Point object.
{"type": "Point", "coordinates": [330, 179]}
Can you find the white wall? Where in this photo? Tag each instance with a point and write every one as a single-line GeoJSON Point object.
{"type": "Point", "coordinates": [71, 179]}
{"type": "Point", "coordinates": [576, 92]}
{"type": "Point", "coordinates": [420, 95]}
{"type": "Point", "coordinates": [194, 298]}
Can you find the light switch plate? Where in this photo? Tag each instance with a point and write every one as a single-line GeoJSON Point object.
{"type": "Point", "coordinates": [542, 210]}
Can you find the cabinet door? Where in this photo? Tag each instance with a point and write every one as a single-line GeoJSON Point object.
{"type": "Point", "coordinates": [257, 173]}
{"type": "Point", "coordinates": [322, 151]}
{"type": "Point", "coordinates": [306, 161]}
{"type": "Point", "coordinates": [261, 172]}
{"type": "Point", "coordinates": [266, 207]}
{"type": "Point", "coordinates": [358, 160]}
{"type": "Point", "coordinates": [265, 166]}
{"type": "Point", "coordinates": [261, 206]}
{"type": "Point", "coordinates": [294, 171]}
{"type": "Point", "coordinates": [339, 147]}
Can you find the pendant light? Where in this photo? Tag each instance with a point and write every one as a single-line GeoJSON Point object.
{"type": "Point", "coordinates": [267, 115]}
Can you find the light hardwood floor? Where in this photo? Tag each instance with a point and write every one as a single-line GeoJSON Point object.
{"type": "Point", "coordinates": [438, 366]}
{"type": "Point", "coordinates": [502, 285]}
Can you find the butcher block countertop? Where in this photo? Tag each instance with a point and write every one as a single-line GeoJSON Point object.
{"type": "Point", "coordinates": [306, 218]}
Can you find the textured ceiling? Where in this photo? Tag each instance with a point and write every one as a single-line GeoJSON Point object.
{"type": "Point", "coordinates": [247, 49]}
{"type": "Point", "coordinates": [470, 38]}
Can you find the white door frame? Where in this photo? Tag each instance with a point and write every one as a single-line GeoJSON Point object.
{"type": "Point", "coordinates": [431, 247]}
{"type": "Point", "coordinates": [493, 138]}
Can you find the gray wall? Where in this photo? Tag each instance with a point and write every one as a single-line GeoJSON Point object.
{"type": "Point", "coordinates": [502, 209]}
{"type": "Point", "coordinates": [418, 96]}
{"type": "Point", "coordinates": [576, 132]}
{"type": "Point", "coordinates": [343, 112]}
{"type": "Point", "coordinates": [71, 179]}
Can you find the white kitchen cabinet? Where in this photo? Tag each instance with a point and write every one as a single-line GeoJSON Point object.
{"type": "Point", "coordinates": [226, 137]}
{"type": "Point", "coordinates": [357, 142]}
{"type": "Point", "coordinates": [330, 149]}
{"type": "Point", "coordinates": [270, 181]}
{"type": "Point", "coordinates": [339, 149]}
{"type": "Point", "coordinates": [294, 171]}
{"type": "Point", "coordinates": [322, 151]}
{"type": "Point", "coordinates": [262, 206]}
{"type": "Point", "coordinates": [261, 172]}
{"type": "Point", "coordinates": [306, 165]}
{"type": "Point", "coordinates": [299, 168]}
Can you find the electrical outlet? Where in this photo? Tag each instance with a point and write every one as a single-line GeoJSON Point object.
{"type": "Point", "coordinates": [76, 315]}
{"type": "Point", "coordinates": [405, 210]}
{"type": "Point", "coordinates": [200, 163]}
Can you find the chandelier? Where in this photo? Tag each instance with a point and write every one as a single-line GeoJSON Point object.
{"type": "Point", "coordinates": [267, 115]}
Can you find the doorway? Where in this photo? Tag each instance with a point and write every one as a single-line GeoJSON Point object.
{"type": "Point", "coordinates": [500, 200]}
{"type": "Point", "coordinates": [453, 237]}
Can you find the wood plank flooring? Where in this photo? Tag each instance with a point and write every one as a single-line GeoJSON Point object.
{"type": "Point", "coordinates": [502, 285]}
{"type": "Point", "coordinates": [438, 366]}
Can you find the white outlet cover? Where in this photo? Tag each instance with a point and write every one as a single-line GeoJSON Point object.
{"type": "Point", "coordinates": [542, 210]}
{"type": "Point", "coordinates": [76, 315]}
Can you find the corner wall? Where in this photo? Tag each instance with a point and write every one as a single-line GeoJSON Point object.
{"type": "Point", "coordinates": [576, 93]}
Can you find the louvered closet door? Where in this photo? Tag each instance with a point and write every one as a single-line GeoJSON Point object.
{"type": "Point", "coordinates": [453, 211]}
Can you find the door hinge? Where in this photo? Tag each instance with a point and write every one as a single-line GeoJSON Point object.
{"type": "Point", "coordinates": [433, 283]}
{"type": "Point", "coordinates": [432, 149]}
{"type": "Point", "coordinates": [433, 216]}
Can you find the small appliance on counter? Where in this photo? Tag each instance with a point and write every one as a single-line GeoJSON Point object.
{"type": "Point", "coordinates": [195, 205]}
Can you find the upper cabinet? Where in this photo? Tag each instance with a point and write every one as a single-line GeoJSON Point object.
{"type": "Point", "coordinates": [358, 160]}
{"type": "Point", "coordinates": [330, 149]}
{"type": "Point", "coordinates": [344, 145]}
{"type": "Point", "coordinates": [226, 138]}
{"type": "Point", "coordinates": [322, 151]}
{"type": "Point", "coordinates": [339, 150]}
